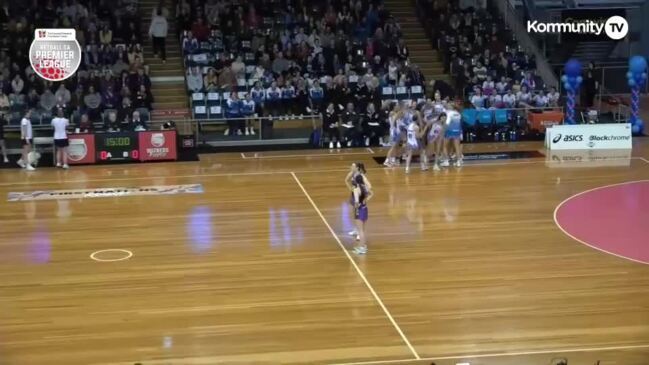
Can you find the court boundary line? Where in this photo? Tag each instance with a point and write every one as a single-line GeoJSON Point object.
{"type": "Point", "coordinates": [556, 222]}
{"type": "Point", "coordinates": [358, 270]}
{"type": "Point", "coordinates": [330, 154]}
{"type": "Point", "coordinates": [502, 354]}
{"type": "Point", "coordinates": [371, 168]}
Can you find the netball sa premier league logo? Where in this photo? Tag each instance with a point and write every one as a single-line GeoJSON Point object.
{"type": "Point", "coordinates": [55, 54]}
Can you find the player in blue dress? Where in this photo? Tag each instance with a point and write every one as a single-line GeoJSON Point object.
{"type": "Point", "coordinates": [453, 136]}
{"type": "Point", "coordinates": [396, 120]}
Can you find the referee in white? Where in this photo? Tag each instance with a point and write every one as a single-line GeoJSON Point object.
{"type": "Point", "coordinates": [61, 143]}
{"type": "Point", "coordinates": [27, 136]}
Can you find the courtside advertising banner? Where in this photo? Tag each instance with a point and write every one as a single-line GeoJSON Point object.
{"type": "Point", "coordinates": [589, 137]}
{"type": "Point", "coordinates": [587, 158]}
{"type": "Point", "coordinates": [81, 149]}
{"type": "Point", "coordinates": [55, 54]}
{"type": "Point", "coordinates": [158, 145]}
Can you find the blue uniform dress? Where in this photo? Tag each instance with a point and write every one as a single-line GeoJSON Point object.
{"type": "Point", "coordinates": [454, 125]}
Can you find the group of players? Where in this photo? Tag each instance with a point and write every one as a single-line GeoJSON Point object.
{"type": "Point", "coordinates": [433, 128]}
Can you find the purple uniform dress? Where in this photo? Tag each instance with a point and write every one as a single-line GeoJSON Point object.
{"type": "Point", "coordinates": [360, 212]}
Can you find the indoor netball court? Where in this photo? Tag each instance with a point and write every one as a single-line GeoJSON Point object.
{"type": "Point", "coordinates": [521, 256]}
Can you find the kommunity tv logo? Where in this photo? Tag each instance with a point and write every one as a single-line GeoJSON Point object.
{"type": "Point", "coordinates": [615, 27]}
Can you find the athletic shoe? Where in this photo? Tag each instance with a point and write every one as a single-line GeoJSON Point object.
{"type": "Point", "coordinates": [238, 132]}
{"type": "Point", "coordinates": [58, 164]}
{"type": "Point", "coordinates": [338, 145]}
{"type": "Point", "coordinates": [227, 131]}
{"type": "Point", "coordinates": [353, 233]}
{"type": "Point", "coordinates": [424, 168]}
{"type": "Point", "coordinates": [436, 167]}
{"type": "Point", "coordinates": [458, 163]}
{"type": "Point", "coordinates": [29, 168]}
{"type": "Point", "coordinates": [331, 145]}
{"type": "Point", "coordinates": [247, 132]}
{"type": "Point", "coordinates": [21, 163]}
{"type": "Point", "coordinates": [367, 142]}
{"type": "Point", "coordinates": [65, 167]}
{"type": "Point", "coordinates": [445, 163]}
{"type": "Point", "coordinates": [387, 163]}
{"type": "Point", "coordinates": [407, 170]}
{"type": "Point", "coordinates": [360, 250]}
{"type": "Point", "coordinates": [252, 131]}
{"type": "Point", "coordinates": [6, 160]}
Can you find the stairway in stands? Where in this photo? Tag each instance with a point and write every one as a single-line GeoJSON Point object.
{"type": "Point", "coordinates": [167, 79]}
{"type": "Point", "coordinates": [418, 43]}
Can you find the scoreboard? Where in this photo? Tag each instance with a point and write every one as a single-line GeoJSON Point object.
{"type": "Point", "coordinates": [120, 146]}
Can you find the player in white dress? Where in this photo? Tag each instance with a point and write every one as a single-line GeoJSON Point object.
{"type": "Point", "coordinates": [414, 144]}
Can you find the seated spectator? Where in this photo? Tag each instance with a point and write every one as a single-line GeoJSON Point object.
{"type": "Point", "coordinates": [541, 100]}
{"type": "Point", "coordinates": [110, 100]}
{"type": "Point", "coordinates": [194, 79]}
{"type": "Point", "coordinates": [17, 84]}
{"type": "Point", "coordinates": [124, 113]}
{"type": "Point", "coordinates": [85, 126]}
{"type": "Point", "coordinates": [190, 44]}
{"type": "Point", "coordinates": [112, 124]}
{"type": "Point", "coordinates": [553, 97]}
{"type": "Point", "coordinates": [4, 102]}
{"type": "Point", "coordinates": [143, 98]}
{"type": "Point", "coordinates": [509, 99]}
{"type": "Point", "coordinates": [137, 123]}
{"type": "Point", "coordinates": [48, 100]}
{"type": "Point", "coordinates": [200, 30]}
{"type": "Point", "coordinates": [524, 97]}
{"type": "Point", "coordinates": [502, 86]}
{"type": "Point", "coordinates": [478, 100]}
{"type": "Point", "coordinates": [92, 104]}
{"type": "Point", "coordinates": [211, 81]}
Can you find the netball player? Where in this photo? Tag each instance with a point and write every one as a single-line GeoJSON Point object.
{"type": "Point", "coordinates": [414, 142]}
{"type": "Point", "coordinates": [395, 136]}
{"type": "Point", "coordinates": [453, 135]}
{"type": "Point", "coordinates": [61, 139]}
{"type": "Point", "coordinates": [356, 169]}
{"type": "Point", "coordinates": [26, 135]}
{"type": "Point", "coordinates": [361, 194]}
{"type": "Point", "coordinates": [435, 135]}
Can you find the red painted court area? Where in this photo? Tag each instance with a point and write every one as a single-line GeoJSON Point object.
{"type": "Point", "coordinates": [613, 219]}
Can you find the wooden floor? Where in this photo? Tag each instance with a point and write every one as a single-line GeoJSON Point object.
{"type": "Point", "coordinates": [465, 265]}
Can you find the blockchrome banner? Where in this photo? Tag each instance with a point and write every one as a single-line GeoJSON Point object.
{"type": "Point", "coordinates": [589, 136]}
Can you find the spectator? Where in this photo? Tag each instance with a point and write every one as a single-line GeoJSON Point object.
{"type": "Point", "coordinates": [211, 81]}
{"type": "Point", "coordinates": [350, 122]}
{"type": "Point", "coordinates": [48, 100]}
{"type": "Point", "coordinates": [4, 103]}
{"type": "Point", "coordinates": [158, 33]}
{"type": "Point", "coordinates": [17, 84]}
{"type": "Point", "coordinates": [92, 103]}
{"type": "Point", "coordinates": [478, 100]}
{"type": "Point", "coordinates": [138, 123]}
{"type": "Point", "coordinates": [280, 64]}
{"type": "Point", "coordinates": [194, 79]}
{"type": "Point", "coordinates": [200, 30]}
{"type": "Point", "coordinates": [85, 126]}
{"type": "Point", "coordinates": [124, 113]}
{"type": "Point", "coordinates": [330, 126]}
{"type": "Point", "coordinates": [143, 98]}
{"type": "Point", "coordinates": [233, 112]}
{"type": "Point", "coordinates": [247, 111]}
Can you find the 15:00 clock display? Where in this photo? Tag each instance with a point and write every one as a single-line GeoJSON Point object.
{"type": "Point", "coordinates": [121, 146]}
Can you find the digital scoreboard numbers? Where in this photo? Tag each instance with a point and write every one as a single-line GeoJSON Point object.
{"type": "Point", "coordinates": [122, 146]}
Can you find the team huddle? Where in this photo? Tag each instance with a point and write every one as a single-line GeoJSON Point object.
{"type": "Point", "coordinates": [433, 128]}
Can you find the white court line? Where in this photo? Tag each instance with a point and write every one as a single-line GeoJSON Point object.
{"type": "Point", "coordinates": [502, 354]}
{"type": "Point", "coordinates": [370, 150]}
{"type": "Point", "coordinates": [358, 270]}
{"type": "Point", "coordinates": [243, 155]}
{"type": "Point", "coordinates": [128, 253]}
{"type": "Point", "coordinates": [466, 164]}
{"type": "Point", "coordinates": [583, 242]}
{"type": "Point", "coordinates": [332, 154]}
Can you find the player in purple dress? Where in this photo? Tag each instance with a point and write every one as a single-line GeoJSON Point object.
{"type": "Point", "coordinates": [361, 193]}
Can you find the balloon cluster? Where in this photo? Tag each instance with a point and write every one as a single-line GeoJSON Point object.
{"type": "Point", "coordinates": [571, 81]}
{"type": "Point", "coordinates": [636, 77]}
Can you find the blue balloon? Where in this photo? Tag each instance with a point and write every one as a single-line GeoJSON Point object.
{"type": "Point", "coordinates": [629, 75]}
{"type": "Point", "coordinates": [580, 79]}
{"type": "Point", "coordinates": [573, 67]}
{"type": "Point", "coordinates": [637, 64]}
{"type": "Point", "coordinates": [643, 75]}
{"type": "Point", "coordinates": [632, 83]}
{"type": "Point", "coordinates": [567, 86]}
{"type": "Point", "coordinates": [564, 78]}
{"type": "Point", "coordinates": [635, 129]}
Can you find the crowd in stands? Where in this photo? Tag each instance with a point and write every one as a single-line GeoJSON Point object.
{"type": "Point", "coordinates": [294, 57]}
{"type": "Point", "coordinates": [112, 76]}
{"type": "Point", "coordinates": [490, 70]}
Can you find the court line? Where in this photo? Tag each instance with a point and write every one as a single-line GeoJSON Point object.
{"type": "Point", "coordinates": [467, 164]}
{"type": "Point", "coordinates": [502, 354]}
{"type": "Point", "coordinates": [556, 222]}
{"type": "Point", "coordinates": [370, 150]}
{"type": "Point", "coordinates": [358, 270]}
{"type": "Point", "coordinates": [128, 253]}
{"type": "Point", "coordinates": [304, 155]}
